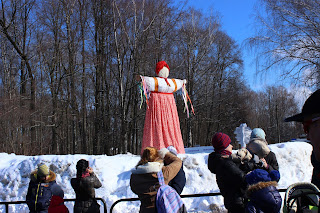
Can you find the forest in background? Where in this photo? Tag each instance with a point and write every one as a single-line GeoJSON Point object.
{"type": "Point", "coordinates": [68, 68]}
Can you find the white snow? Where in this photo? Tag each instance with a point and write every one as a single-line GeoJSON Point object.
{"type": "Point", "coordinates": [114, 173]}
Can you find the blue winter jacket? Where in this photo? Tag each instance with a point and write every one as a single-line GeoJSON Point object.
{"type": "Point", "coordinates": [39, 193]}
{"type": "Point", "coordinates": [264, 197]}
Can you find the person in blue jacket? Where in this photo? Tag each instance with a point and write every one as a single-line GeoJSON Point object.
{"type": "Point", "coordinates": [179, 181]}
{"type": "Point", "coordinates": [262, 194]}
{"type": "Point", "coordinates": [40, 187]}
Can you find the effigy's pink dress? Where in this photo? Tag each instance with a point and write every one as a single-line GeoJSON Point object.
{"type": "Point", "coordinates": [162, 125]}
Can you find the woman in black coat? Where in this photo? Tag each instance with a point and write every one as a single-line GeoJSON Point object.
{"type": "Point", "coordinates": [230, 179]}
{"type": "Point", "coordinates": [84, 186]}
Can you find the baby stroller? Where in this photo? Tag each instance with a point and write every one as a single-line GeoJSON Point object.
{"type": "Point", "coordinates": [301, 197]}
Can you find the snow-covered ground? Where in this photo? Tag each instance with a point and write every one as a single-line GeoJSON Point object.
{"type": "Point", "coordinates": [114, 173]}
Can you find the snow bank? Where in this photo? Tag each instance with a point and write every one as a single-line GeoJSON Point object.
{"type": "Point", "coordinates": [114, 173]}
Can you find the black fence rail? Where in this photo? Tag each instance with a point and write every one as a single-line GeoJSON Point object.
{"type": "Point", "coordinates": [182, 196]}
{"type": "Point", "coordinates": [65, 200]}
{"type": "Point", "coordinates": [118, 201]}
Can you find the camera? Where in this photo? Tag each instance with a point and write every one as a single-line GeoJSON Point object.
{"type": "Point", "coordinates": [260, 163]}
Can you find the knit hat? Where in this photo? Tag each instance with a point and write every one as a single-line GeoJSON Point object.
{"type": "Point", "coordinates": [173, 150]}
{"type": "Point", "coordinates": [258, 133]}
{"type": "Point", "coordinates": [57, 190]}
{"type": "Point", "coordinates": [260, 175]}
{"type": "Point", "coordinates": [220, 141]}
{"type": "Point", "coordinates": [43, 170]}
{"type": "Point", "coordinates": [275, 175]}
{"type": "Point", "coordinates": [310, 109]}
{"type": "Point", "coordinates": [160, 66]}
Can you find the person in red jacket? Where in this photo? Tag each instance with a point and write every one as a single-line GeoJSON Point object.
{"type": "Point", "coordinates": [57, 202]}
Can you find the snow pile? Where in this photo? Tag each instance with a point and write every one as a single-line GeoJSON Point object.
{"type": "Point", "coordinates": [114, 173]}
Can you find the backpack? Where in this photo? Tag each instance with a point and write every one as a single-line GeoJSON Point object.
{"type": "Point", "coordinates": [301, 197]}
{"type": "Point", "coordinates": [168, 200]}
{"type": "Point", "coordinates": [39, 196]}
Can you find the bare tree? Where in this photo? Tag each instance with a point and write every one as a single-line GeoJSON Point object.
{"type": "Point", "coordinates": [267, 111]}
{"type": "Point", "coordinates": [67, 75]}
{"type": "Point", "coordinates": [196, 36]}
{"type": "Point", "coordinates": [15, 30]}
{"type": "Point", "coordinates": [288, 36]}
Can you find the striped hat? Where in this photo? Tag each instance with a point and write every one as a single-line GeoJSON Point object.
{"type": "Point", "coordinates": [43, 170]}
{"type": "Point", "coordinates": [220, 141]}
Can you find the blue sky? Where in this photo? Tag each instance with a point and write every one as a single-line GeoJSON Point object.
{"type": "Point", "coordinates": [237, 19]}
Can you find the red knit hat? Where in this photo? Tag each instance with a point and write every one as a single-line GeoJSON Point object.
{"type": "Point", "coordinates": [220, 141]}
{"type": "Point", "coordinates": [160, 65]}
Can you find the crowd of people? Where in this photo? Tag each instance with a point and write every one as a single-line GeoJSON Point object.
{"type": "Point", "coordinates": [46, 196]}
{"type": "Point", "coordinates": [247, 179]}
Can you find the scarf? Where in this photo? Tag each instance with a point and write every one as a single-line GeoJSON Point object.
{"type": "Point", "coordinates": [85, 174]}
{"type": "Point", "coordinates": [223, 152]}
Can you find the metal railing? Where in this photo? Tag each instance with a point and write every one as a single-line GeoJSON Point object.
{"type": "Point", "coordinates": [65, 200]}
{"type": "Point", "coordinates": [182, 196]}
{"type": "Point", "coordinates": [118, 201]}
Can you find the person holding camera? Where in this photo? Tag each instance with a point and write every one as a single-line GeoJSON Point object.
{"type": "Point", "coordinates": [84, 186]}
{"type": "Point", "coordinates": [259, 146]}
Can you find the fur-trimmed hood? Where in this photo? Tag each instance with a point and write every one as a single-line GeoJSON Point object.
{"type": "Point", "coordinates": [259, 147]}
{"type": "Point", "coordinates": [259, 186]}
{"type": "Point", "coordinates": [150, 167]}
{"type": "Point", "coordinates": [34, 176]}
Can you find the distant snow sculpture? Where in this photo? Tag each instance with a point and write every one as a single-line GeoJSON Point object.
{"type": "Point", "coordinates": [243, 133]}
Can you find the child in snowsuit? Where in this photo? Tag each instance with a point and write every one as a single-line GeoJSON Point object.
{"type": "Point", "coordinates": [262, 193]}
{"type": "Point", "coordinates": [57, 202]}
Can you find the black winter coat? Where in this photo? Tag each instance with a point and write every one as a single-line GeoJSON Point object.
{"type": "Point", "coordinates": [230, 179]}
{"type": "Point", "coordinates": [271, 160]}
{"type": "Point", "coordinates": [264, 197]}
{"type": "Point", "coordinates": [179, 181]}
{"type": "Point", "coordinates": [85, 194]}
{"type": "Point", "coordinates": [316, 171]}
